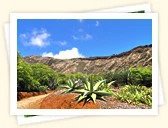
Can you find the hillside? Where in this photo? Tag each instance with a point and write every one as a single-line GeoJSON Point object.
{"type": "Point", "coordinates": [141, 55]}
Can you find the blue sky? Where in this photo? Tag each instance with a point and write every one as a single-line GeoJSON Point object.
{"type": "Point", "coordinates": [66, 39]}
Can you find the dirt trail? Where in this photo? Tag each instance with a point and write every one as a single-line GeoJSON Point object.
{"type": "Point", "coordinates": [57, 100]}
{"type": "Point", "coordinates": [32, 102]}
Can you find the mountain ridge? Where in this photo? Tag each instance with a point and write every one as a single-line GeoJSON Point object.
{"type": "Point", "coordinates": [138, 56]}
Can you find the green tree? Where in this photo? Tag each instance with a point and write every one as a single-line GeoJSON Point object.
{"type": "Point", "coordinates": [25, 81]}
{"type": "Point", "coordinates": [44, 75]}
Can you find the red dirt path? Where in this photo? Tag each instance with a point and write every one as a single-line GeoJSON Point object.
{"type": "Point", "coordinates": [65, 101]}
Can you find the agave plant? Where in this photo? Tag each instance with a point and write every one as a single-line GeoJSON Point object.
{"type": "Point", "coordinates": [92, 91]}
{"type": "Point", "coordinates": [72, 85]}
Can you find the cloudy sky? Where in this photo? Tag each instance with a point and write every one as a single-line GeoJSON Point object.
{"type": "Point", "coordinates": [66, 39]}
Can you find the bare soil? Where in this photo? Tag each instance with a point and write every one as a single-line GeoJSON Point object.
{"type": "Point", "coordinates": [31, 102]}
{"type": "Point", "coordinates": [59, 100]}
{"type": "Point", "coordinates": [23, 95]}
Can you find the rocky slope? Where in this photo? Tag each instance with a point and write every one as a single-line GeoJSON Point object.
{"type": "Point", "coordinates": [139, 56]}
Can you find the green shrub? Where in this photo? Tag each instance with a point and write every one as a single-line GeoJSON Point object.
{"type": "Point", "coordinates": [120, 77]}
{"type": "Point", "coordinates": [94, 77]}
{"type": "Point", "coordinates": [44, 75]}
{"type": "Point", "coordinates": [62, 78]}
{"type": "Point", "coordinates": [33, 77]}
{"type": "Point", "coordinates": [25, 81]}
{"type": "Point", "coordinates": [140, 76]}
{"type": "Point", "coordinates": [135, 94]}
{"type": "Point", "coordinates": [135, 76]}
{"type": "Point", "coordinates": [76, 76]}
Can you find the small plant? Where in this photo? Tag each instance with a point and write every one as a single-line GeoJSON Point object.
{"type": "Point", "coordinates": [135, 94]}
{"type": "Point", "coordinates": [72, 85]}
{"type": "Point", "coordinates": [107, 86]}
{"type": "Point", "coordinates": [92, 91]}
{"type": "Point", "coordinates": [42, 88]}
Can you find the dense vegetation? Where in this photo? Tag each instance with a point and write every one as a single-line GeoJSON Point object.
{"type": "Point", "coordinates": [134, 83]}
{"type": "Point", "coordinates": [34, 77]}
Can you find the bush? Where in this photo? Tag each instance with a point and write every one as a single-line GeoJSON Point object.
{"type": "Point", "coordinates": [120, 77]}
{"type": "Point", "coordinates": [76, 76]}
{"type": "Point", "coordinates": [95, 77]}
{"type": "Point", "coordinates": [134, 76]}
{"type": "Point", "coordinates": [33, 77]}
{"type": "Point", "coordinates": [61, 79]}
{"type": "Point", "coordinates": [140, 76]}
{"type": "Point", "coordinates": [135, 94]}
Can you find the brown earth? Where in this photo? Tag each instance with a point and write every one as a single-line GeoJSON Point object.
{"type": "Point", "coordinates": [57, 100]}
{"type": "Point", "coordinates": [23, 95]}
{"type": "Point", "coordinates": [31, 102]}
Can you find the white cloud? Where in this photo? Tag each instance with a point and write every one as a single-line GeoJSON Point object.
{"type": "Point", "coordinates": [36, 38]}
{"type": "Point", "coordinates": [67, 54]}
{"type": "Point", "coordinates": [49, 54]}
{"type": "Point", "coordinates": [97, 24]}
{"type": "Point", "coordinates": [39, 40]}
{"type": "Point", "coordinates": [63, 43]}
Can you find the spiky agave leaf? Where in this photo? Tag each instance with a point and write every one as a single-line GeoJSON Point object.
{"type": "Point", "coordinates": [80, 91]}
{"type": "Point", "coordinates": [85, 85]}
{"type": "Point", "coordinates": [66, 86]}
{"type": "Point", "coordinates": [71, 84]}
{"type": "Point", "coordinates": [67, 91]}
{"type": "Point", "coordinates": [103, 93]}
{"type": "Point", "coordinates": [81, 97]}
{"type": "Point", "coordinates": [93, 96]}
{"type": "Point", "coordinates": [100, 98]}
{"type": "Point", "coordinates": [86, 93]}
{"type": "Point", "coordinates": [96, 86]}
{"type": "Point", "coordinates": [88, 84]}
{"type": "Point", "coordinates": [109, 84]}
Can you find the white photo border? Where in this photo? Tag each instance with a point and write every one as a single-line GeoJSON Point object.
{"type": "Point", "coordinates": [130, 8]}
{"type": "Point", "coordinates": [13, 64]}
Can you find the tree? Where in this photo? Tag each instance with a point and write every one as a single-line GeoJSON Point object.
{"type": "Point", "coordinates": [44, 75]}
{"type": "Point", "coordinates": [25, 81]}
